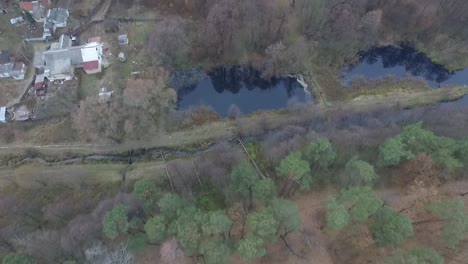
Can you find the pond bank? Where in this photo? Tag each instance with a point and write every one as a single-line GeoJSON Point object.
{"type": "Point", "coordinates": [189, 141]}
{"type": "Point", "coordinates": [242, 87]}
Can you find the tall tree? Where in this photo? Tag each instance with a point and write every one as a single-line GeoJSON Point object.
{"type": "Point", "coordinates": [287, 215]}
{"type": "Point", "coordinates": [320, 154]}
{"type": "Point", "coordinates": [242, 179]}
{"type": "Point", "coordinates": [391, 228]}
{"type": "Point", "coordinates": [187, 228]}
{"type": "Point", "coordinates": [353, 204]}
{"type": "Point", "coordinates": [215, 252]}
{"type": "Point", "coordinates": [337, 215]}
{"type": "Point", "coordinates": [218, 223]}
{"type": "Point", "coordinates": [250, 248]}
{"type": "Point", "coordinates": [393, 151]}
{"type": "Point", "coordinates": [116, 221]}
{"type": "Point", "coordinates": [263, 224]}
{"type": "Point", "coordinates": [170, 203]}
{"type": "Point", "coordinates": [148, 192]}
{"type": "Point", "coordinates": [359, 173]}
{"type": "Point", "coordinates": [295, 169]}
{"type": "Point", "coordinates": [156, 228]}
{"type": "Point", "coordinates": [264, 190]}
{"type": "Point", "coordinates": [455, 219]}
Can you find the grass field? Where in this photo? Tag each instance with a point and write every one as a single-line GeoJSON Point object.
{"type": "Point", "coordinates": [34, 175]}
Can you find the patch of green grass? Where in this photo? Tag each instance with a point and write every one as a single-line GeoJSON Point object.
{"type": "Point", "coordinates": [382, 88]}
{"type": "Point", "coordinates": [138, 33]}
{"type": "Point", "coordinates": [90, 84]}
{"type": "Point", "coordinates": [10, 37]}
{"type": "Point", "coordinates": [210, 200]}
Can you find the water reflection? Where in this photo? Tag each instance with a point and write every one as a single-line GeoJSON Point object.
{"type": "Point", "coordinates": [242, 86]}
{"type": "Point", "coordinates": [402, 62]}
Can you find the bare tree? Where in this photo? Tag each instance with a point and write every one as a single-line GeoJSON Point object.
{"type": "Point", "coordinates": [42, 244]}
{"type": "Point", "coordinates": [221, 24]}
{"type": "Point", "coordinates": [146, 103]}
{"type": "Point", "coordinates": [98, 121]}
{"type": "Point", "coordinates": [169, 42]}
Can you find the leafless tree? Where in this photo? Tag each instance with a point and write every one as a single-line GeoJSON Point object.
{"type": "Point", "coordinates": [98, 121]}
{"type": "Point", "coordinates": [98, 253]}
{"type": "Point", "coordinates": [42, 244]}
{"type": "Point", "coordinates": [170, 43]}
{"type": "Point", "coordinates": [146, 103]}
{"type": "Point", "coordinates": [221, 24]}
{"type": "Point", "coordinates": [171, 253]}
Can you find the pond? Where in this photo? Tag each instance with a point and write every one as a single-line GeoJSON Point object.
{"type": "Point", "coordinates": [241, 86]}
{"type": "Point", "coordinates": [402, 62]}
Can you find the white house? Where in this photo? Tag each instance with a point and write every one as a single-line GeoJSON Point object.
{"type": "Point", "coordinates": [60, 62]}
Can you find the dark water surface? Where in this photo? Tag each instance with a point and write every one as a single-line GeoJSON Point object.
{"type": "Point", "coordinates": [402, 62]}
{"type": "Point", "coordinates": [242, 86]}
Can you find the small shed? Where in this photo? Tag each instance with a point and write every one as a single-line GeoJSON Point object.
{"type": "Point", "coordinates": [123, 39]}
{"type": "Point", "coordinates": [17, 20]}
{"type": "Point", "coordinates": [105, 95]}
{"type": "Point", "coordinates": [122, 57]}
{"type": "Point", "coordinates": [2, 114]}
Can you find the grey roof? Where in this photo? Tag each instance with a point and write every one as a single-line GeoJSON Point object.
{"type": "Point", "coordinates": [38, 60]}
{"type": "Point", "coordinates": [6, 68]}
{"type": "Point", "coordinates": [72, 54]}
{"type": "Point", "coordinates": [60, 65]}
{"type": "Point", "coordinates": [58, 15]}
{"type": "Point", "coordinates": [38, 11]}
{"type": "Point", "coordinates": [4, 56]}
{"type": "Point", "coordinates": [65, 42]}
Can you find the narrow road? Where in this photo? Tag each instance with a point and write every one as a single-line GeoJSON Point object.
{"type": "Point", "coordinates": [101, 14]}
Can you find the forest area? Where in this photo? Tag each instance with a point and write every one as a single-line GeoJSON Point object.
{"type": "Point", "coordinates": [280, 200]}
{"type": "Point", "coordinates": [325, 184]}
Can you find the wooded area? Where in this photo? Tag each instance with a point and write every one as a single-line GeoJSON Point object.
{"type": "Point", "coordinates": [220, 207]}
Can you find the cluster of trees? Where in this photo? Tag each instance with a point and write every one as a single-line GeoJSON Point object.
{"type": "Point", "coordinates": [227, 200]}
{"type": "Point", "coordinates": [290, 36]}
{"type": "Point", "coordinates": [202, 228]}
{"type": "Point", "coordinates": [414, 139]}
{"type": "Point", "coordinates": [139, 110]}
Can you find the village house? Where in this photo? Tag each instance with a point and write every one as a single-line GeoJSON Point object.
{"type": "Point", "coordinates": [37, 9]}
{"type": "Point", "coordinates": [58, 16]}
{"type": "Point", "coordinates": [9, 68]}
{"type": "Point", "coordinates": [61, 60]}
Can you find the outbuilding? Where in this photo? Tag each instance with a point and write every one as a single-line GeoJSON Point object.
{"type": "Point", "coordinates": [2, 114]}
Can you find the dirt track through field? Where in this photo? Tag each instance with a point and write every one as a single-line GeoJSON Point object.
{"type": "Point", "coordinates": [101, 14]}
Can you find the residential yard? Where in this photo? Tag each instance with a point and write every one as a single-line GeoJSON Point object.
{"type": "Point", "coordinates": [116, 75]}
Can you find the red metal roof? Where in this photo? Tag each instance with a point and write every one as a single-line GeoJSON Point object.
{"type": "Point", "coordinates": [28, 6]}
{"type": "Point", "coordinates": [90, 65]}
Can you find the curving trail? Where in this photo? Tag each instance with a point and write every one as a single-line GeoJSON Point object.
{"type": "Point", "coordinates": [102, 12]}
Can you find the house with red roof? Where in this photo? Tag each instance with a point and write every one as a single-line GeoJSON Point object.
{"type": "Point", "coordinates": [62, 59]}
{"type": "Point", "coordinates": [36, 8]}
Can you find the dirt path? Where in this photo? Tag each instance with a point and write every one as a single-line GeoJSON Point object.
{"type": "Point", "coordinates": [101, 14]}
